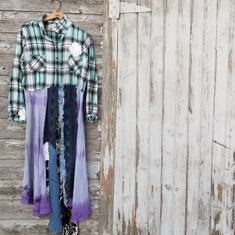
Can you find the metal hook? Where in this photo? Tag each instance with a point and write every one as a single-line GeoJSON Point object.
{"type": "Point", "coordinates": [60, 4]}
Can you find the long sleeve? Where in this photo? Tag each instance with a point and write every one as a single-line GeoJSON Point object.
{"type": "Point", "coordinates": [16, 100]}
{"type": "Point", "coordinates": [92, 86]}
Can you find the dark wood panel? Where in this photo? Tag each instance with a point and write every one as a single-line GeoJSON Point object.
{"type": "Point", "coordinates": [38, 227]}
{"type": "Point", "coordinates": [12, 21]}
{"type": "Point", "coordinates": [11, 130]}
{"type": "Point", "coordinates": [70, 6]}
{"type": "Point", "coordinates": [14, 209]}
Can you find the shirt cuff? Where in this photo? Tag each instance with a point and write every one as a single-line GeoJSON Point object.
{"type": "Point", "coordinates": [17, 115]}
{"type": "Point", "coordinates": [91, 117]}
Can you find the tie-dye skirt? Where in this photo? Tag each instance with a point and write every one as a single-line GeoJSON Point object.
{"type": "Point", "coordinates": [54, 123]}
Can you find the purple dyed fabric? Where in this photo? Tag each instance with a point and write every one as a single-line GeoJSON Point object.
{"type": "Point", "coordinates": [34, 180]}
{"type": "Point", "coordinates": [81, 206]}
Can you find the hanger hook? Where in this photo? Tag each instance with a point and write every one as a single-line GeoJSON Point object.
{"type": "Point", "coordinates": [60, 4]}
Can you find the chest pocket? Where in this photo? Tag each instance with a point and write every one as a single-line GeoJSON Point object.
{"type": "Point", "coordinates": [34, 63]}
{"type": "Point", "coordinates": [77, 64]}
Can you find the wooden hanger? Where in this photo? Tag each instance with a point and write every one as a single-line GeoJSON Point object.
{"type": "Point", "coordinates": [55, 13]}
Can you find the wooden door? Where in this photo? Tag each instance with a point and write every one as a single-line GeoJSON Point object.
{"type": "Point", "coordinates": [168, 118]}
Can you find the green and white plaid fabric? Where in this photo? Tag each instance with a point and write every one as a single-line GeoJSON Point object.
{"type": "Point", "coordinates": [52, 53]}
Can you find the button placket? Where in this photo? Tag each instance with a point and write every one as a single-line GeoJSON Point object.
{"type": "Point", "coordinates": [56, 58]}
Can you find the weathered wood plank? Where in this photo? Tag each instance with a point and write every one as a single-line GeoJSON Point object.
{"type": "Point", "coordinates": [4, 86]}
{"type": "Point", "coordinates": [142, 120]}
{"type": "Point", "coordinates": [108, 123]}
{"type": "Point", "coordinates": [14, 209]}
{"type": "Point", "coordinates": [194, 112]}
{"type": "Point", "coordinates": [207, 83]}
{"type": "Point", "coordinates": [155, 116]}
{"type": "Point", "coordinates": [71, 6]}
{"type": "Point", "coordinates": [125, 161]}
{"type": "Point", "coordinates": [39, 227]}
{"type": "Point", "coordinates": [230, 169]}
{"type": "Point", "coordinates": [3, 107]}
{"type": "Point", "coordinates": [175, 117]}
{"type": "Point", "coordinates": [168, 157]}
{"type": "Point", "coordinates": [11, 21]}
{"type": "Point", "coordinates": [189, 56]}
{"type": "Point", "coordinates": [223, 125]}
{"type": "Point", "coordinates": [10, 130]}
{"type": "Point", "coordinates": [28, 227]}
{"type": "Point", "coordinates": [11, 149]}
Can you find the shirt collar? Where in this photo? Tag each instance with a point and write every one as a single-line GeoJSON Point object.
{"type": "Point", "coordinates": [59, 25]}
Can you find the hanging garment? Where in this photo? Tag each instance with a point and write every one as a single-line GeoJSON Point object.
{"type": "Point", "coordinates": [54, 88]}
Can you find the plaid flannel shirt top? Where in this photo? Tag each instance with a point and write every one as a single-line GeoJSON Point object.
{"type": "Point", "coordinates": [44, 57]}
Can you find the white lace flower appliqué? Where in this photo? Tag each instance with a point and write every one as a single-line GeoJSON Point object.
{"type": "Point", "coordinates": [75, 49]}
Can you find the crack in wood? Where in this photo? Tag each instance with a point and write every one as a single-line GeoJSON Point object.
{"type": "Point", "coordinates": [224, 146]}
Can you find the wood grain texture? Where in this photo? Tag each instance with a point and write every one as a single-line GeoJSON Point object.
{"type": "Point", "coordinates": [167, 128]}
{"type": "Point", "coordinates": [11, 21]}
{"type": "Point", "coordinates": [175, 116]}
{"type": "Point", "coordinates": [108, 124]}
{"type": "Point", "coordinates": [156, 115]}
{"type": "Point", "coordinates": [223, 147]}
{"type": "Point", "coordinates": [174, 121]}
{"type": "Point", "coordinates": [142, 121]}
{"type": "Point", "coordinates": [16, 218]}
{"type": "Point", "coordinates": [39, 226]}
{"type": "Point", "coordinates": [124, 210]}
{"type": "Point", "coordinates": [70, 6]}
{"type": "Point", "coordinates": [194, 119]}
